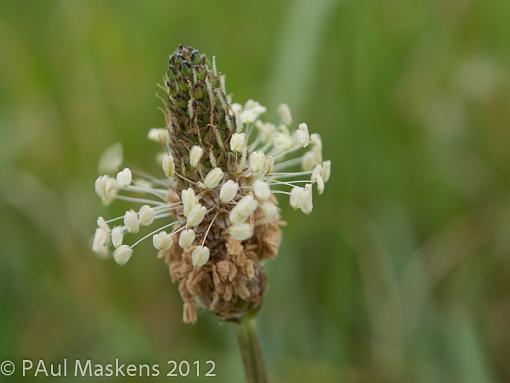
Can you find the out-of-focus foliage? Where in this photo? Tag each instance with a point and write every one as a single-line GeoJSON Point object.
{"type": "Point", "coordinates": [402, 271]}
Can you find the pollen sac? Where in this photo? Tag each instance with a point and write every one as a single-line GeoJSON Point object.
{"type": "Point", "coordinates": [186, 238]}
{"type": "Point", "coordinates": [117, 236]}
{"type": "Point", "coordinates": [106, 189]}
{"type": "Point", "coordinates": [213, 178]}
{"type": "Point", "coordinates": [241, 231]}
{"type": "Point", "coordinates": [195, 154]}
{"type": "Point", "coordinates": [124, 178]}
{"type": "Point", "coordinates": [237, 142]}
{"type": "Point", "coordinates": [122, 254]}
{"type": "Point", "coordinates": [162, 241]}
{"type": "Point", "coordinates": [168, 165]}
{"type": "Point", "coordinates": [196, 215]}
{"type": "Point", "coordinates": [132, 222]}
{"type": "Point", "coordinates": [261, 190]}
{"type": "Point", "coordinates": [100, 242]}
{"type": "Point", "coordinates": [200, 256]}
{"type": "Point", "coordinates": [244, 208]}
{"type": "Point", "coordinates": [159, 135]}
{"type": "Point", "coordinates": [188, 200]}
{"type": "Point", "coordinates": [228, 191]}
{"type": "Point", "coordinates": [326, 170]}
{"type": "Point", "coordinates": [285, 115]}
{"type": "Point", "coordinates": [146, 215]}
{"type": "Point", "coordinates": [270, 210]}
{"type": "Point", "coordinates": [257, 162]}
{"type": "Point", "coordinates": [302, 135]}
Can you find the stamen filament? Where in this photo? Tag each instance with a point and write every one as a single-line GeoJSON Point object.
{"type": "Point", "coordinates": [207, 231]}
{"type": "Point", "coordinates": [253, 145]}
{"type": "Point", "coordinates": [175, 230]}
{"type": "Point", "coordinates": [288, 163]}
{"type": "Point", "coordinates": [265, 147]}
{"type": "Point", "coordinates": [284, 153]}
{"type": "Point", "coordinates": [186, 179]}
{"type": "Point", "coordinates": [280, 192]}
{"type": "Point", "coordinates": [151, 178]}
{"type": "Point", "coordinates": [271, 183]}
{"type": "Point", "coordinates": [286, 175]}
{"type": "Point", "coordinates": [152, 233]}
{"type": "Point", "coordinates": [140, 200]}
{"type": "Point", "coordinates": [140, 189]}
{"type": "Point", "coordinates": [115, 219]}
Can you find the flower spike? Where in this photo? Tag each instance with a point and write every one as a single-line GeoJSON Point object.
{"type": "Point", "coordinates": [214, 207]}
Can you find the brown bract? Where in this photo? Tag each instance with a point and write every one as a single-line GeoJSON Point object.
{"type": "Point", "coordinates": [233, 281]}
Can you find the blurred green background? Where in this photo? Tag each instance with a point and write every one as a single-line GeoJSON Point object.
{"type": "Point", "coordinates": [402, 271]}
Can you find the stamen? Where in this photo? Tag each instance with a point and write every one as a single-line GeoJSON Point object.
{"type": "Point", "coordinates": [186, 179]}
{"type": "Point", "coordinates": [287, 175]}
{"type": "Point", "coordinates": [172, 206]}
{"type": "Point", "coordinates": [249, 131]}
{"type": "Point", "coordinates": [265, 147]}
{"type": "Point", "coordinates": [141, 189]}
{"type": "Point", "coordinates": [280, 192]}
{"type": "Point", "coordinates": [151, 178]}
{"type": "Point", "coordinates": [288, 163]}
{"type": "Point", "coordinates": [140, 200]}
{"type": "Point", "coordinates": [207, 231]}
{"type": "Point", "coordinates": [272, 182]}
{"type": "Point", "coordinates": [158, 216]}
{"type": "Point", "coordinates": [115, 219]}
{"type": "Point", "coordinates": [175, 230]}
{"type": "Point", "coordinates": [152, 233]}
{"type": "Point", "coordinates": [277, 155]}
{"type": "Point", "coordinates": [253, 145]}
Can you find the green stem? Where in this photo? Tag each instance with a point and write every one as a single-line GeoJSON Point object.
{"type": "Point", "coordinates": [251, 352]}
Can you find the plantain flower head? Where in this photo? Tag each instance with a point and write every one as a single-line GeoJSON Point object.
{"type": "Point", "coordinates": [213, 205]}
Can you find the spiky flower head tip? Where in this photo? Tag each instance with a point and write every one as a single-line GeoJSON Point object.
{"type": "Point", "coordinates": [215, 201]}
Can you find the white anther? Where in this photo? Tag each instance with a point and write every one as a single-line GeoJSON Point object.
{"type": "Point", "coordinates": [162, 241]}
{"type": "Point", "coordinates": [131, 221]}
{"type": "Point", "coordinates": [196, 215]}
{"type": "Point", "coordinates": [241, 231]}
{"type": "Point", "coordinates": [168, 165]}
{"type": "Point", "coordinates": [106, 189]}
{"type": "Point", "coordinates": [238, 142]}
{"type": "Point", "coordinates": [122, 254]}
{"type": "Point", "coordinates": [117, 236]}
{"type": "Point", "coordinates": [302, 135]}
{"type": "Point", "coordinates": [228, 191]}
{"type": "Point", "coordinates": [146, 215]}
{"type": "Point", "coordinates": [285, 115]}
{"type": "Point", "coordinates": [195, 154]}
{"type": "Point", "coordinates": [213, 178]}
{"type": "Point", "coordinates": [261, 190]}
{"type": "Point", "coordinates": [244, 208]}
{"type": "Point", "coordinates": [200, 256]}
{"type": "Point", "coordinates": [186, 239]}
{"type": "Point", "coordinates": [124, 177]}
{"type": "Point", "coordinates": [189, 200]}
{"type": "Point", "coordinates": [257, 162]}
{"type": "Point", "coordinates": [159, 135]}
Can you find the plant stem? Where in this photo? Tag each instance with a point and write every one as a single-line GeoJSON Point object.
{"type": "Point", "coordinates": [251, 352]}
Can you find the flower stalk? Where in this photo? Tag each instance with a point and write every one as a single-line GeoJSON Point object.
{"type": "Point", "coordinates": [251, 351]}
